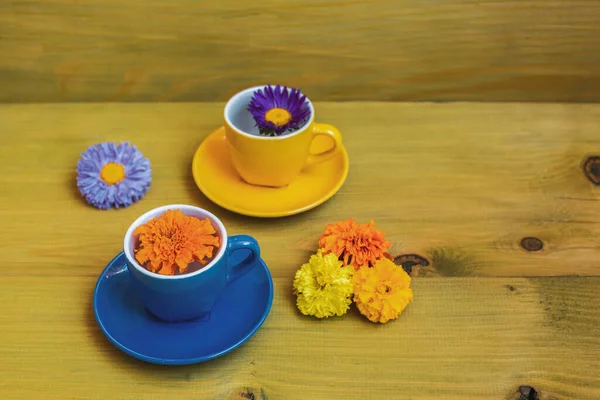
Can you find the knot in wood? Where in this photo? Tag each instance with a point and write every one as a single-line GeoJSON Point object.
{"type": "Point", "coordinates": [591, 169]}
{"type": "Point", "coordinates": [528, 393]}
{"type": "Point", "coordinates": [532, 244]}
{"type": "Point", "coordinates": [408, 261]}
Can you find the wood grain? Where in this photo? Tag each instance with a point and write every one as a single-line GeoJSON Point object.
{"type": "Point", "coordinates": [462, 338]}
{"type": "Point", "coordinates": [460, 184]}
{"type": "Point", "coordinates": [151, 50]}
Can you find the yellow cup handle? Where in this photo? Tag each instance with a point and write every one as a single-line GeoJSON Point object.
{"type": "Point", "coordinates": [333, 133]}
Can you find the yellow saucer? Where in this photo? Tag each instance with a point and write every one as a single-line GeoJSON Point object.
{"type": "Point", "coordinates": [218, 180]}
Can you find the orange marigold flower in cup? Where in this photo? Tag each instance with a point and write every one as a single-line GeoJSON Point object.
{"type": "Point", "coordinates": [355, 244]}
{"type": "Point", "coordinates": [169, 243]}
{"type": "Point", "coordinates": [382, 292]}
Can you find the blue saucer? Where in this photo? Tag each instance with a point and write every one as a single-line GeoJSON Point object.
{"type": "Point", "coordinates": [236, 316]}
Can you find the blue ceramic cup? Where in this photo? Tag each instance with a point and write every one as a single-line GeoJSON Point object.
{"type": "Point", "coordinates": [191, 295]}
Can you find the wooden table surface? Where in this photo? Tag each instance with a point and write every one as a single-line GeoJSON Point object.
{"type": "Point", "coordinates": [400, 50]}
{"type": "Point", "coordinates": [459, 184]}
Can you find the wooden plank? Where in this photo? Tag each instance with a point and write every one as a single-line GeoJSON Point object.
{"type": "Point", "coordinates": [462, 338]}
{"type": "Point", "coordinates": [459, 184]}
{"type": "Point", "coordinates": [151, 50]}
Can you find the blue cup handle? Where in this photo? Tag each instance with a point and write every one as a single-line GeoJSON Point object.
{"type": "Point", "coordinates": [241, 242]}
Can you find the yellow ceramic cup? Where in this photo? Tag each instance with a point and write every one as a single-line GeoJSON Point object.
{"type": "Point", "coordinates": [272, 161]}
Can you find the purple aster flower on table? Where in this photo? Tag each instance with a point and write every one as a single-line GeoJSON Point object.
{"type": "Point", "coordinates": [278, 110]}
{"type": "Point", "coordinates": [113, 175]}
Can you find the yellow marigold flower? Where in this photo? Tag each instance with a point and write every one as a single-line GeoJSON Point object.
{"type": "Point", "coordinates": [323, 286]}
{"type": "Point", "coordinates": [356, 244]}
{"type": "Point", "coordinates": [382, 292]}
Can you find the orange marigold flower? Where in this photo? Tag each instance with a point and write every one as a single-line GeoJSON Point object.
{"type": "Point", "coordinates": [382, 292]}
{"type": "Point", "coordinates": [169, 243]}
{"type": "Point", "coordinates": [355, 244]}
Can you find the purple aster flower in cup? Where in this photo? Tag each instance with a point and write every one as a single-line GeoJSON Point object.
{"type": "Point", "coordinates": [111, 175]}
{"type": "Point", "coordinates": [278, 110]}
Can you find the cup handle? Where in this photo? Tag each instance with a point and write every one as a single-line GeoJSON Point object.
{"type": "Point", "coordinates": [241, 242]}
{"type": "Point", "coordinates": [333, 133]}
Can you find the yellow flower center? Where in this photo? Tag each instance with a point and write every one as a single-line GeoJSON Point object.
{"type": "Point", "coordinates": [278, 116]}
{"type": "Point", "coordinates": [323, 280]}
{"type": "Point", "coordinates": [112, 173]}
{"type": "Point", "coordinates": [383, 288]}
